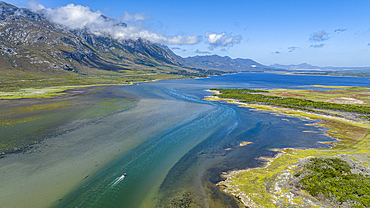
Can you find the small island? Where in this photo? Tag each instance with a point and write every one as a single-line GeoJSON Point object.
{"type": "Point", "coordinates": [339, 176]}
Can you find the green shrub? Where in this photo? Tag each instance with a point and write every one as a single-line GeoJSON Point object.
{"type": "Point", "coordinates": [333, 179]}
{"type": "Point", "coordinates": [250, 96]}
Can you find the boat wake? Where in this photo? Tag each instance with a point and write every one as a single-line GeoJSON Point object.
{"type": "Point", "coordinates": [117, 181]}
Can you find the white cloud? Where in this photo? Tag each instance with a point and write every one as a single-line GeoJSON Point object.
{"type": "Point", "coordinates": [134, 17]}
{"type": "Point", "coordinates": [340, 30]}
{"type": "Point", "coordinates": [216, 40]}
{"type": "Point", "coordinates": [319, 36]}
{"type": "Point", "coordinates": [35, 6]}
{"type": "Point", "coordinates": [292, 48]}
{"type": "Point", "coordinates": [202, 52]}
{"type": "Point", "coordinates": [82, 17]}
{"type": "Point", "coordinates": [317, 46]}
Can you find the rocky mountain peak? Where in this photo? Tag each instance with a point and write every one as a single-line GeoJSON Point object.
{"type": "Point", "coordinates": [29, 41]}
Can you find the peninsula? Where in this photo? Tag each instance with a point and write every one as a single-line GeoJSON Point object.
{"type": "Point", "coordinates": [338, 176]}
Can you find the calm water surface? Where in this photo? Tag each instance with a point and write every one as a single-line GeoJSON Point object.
{"type": "Point", "coordinates": [172, 144]}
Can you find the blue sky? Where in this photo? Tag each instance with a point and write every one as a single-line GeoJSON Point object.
{"type": "Point", "coordinates": [323, 33]}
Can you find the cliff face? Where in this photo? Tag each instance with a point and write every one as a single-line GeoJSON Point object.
{"type": "Point", "coordinates": [29, 42]}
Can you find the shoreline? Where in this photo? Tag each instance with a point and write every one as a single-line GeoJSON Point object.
{"type": "Point", "coordinates": [59, 91]}
{"type": "Point", "coordinates": [282, 110]}
{"type": "Point", "coordinates": [51, 92]}
{"type": "Point", "coordinates": [263, 182]}
{"type": "Point", "coordinates": [247, 201]}
{"type": "Point", "coordinates": [46, 92]}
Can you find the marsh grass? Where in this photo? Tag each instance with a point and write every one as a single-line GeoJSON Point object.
{"type": "Point", "coordinates": [269, 186]}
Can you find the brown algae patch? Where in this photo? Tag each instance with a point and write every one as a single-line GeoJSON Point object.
{"type": "Point", "coordinates": [21, 120]}
{"type": "Point", "coordinates": [19, 124]}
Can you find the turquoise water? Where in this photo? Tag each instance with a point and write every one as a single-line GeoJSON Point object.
{"type": "Point", "coordinates": [173, 145]}
{"type": "Point", "coordinates": [186, 159]}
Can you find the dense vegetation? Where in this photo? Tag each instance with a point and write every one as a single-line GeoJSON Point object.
{"type": "Point", "coordinates": [332, 179]}
{"type": "Point", "coordinates": [254, 96]}
{"type": "Point", "coordinates": [201, 73]}
{"type": "Point", "coordinates": [331, 182]}
{"type": "Point", "coordinates": [351, 74]}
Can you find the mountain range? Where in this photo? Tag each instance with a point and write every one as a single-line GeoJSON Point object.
{"type": "Point", "coordinates": [305, 66]}
{"type": "Point", "coordinates": [295, 67]}
{"type": "Point", "coordinates": [32, 45]}
{"type": "Point", "coordinates": [226, 63]}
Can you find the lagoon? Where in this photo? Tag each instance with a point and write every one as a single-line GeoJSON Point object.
{"type": "Point", "coordinates": [172, 144]}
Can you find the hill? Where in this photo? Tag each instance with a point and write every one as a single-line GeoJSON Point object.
{"type": "Point", "coordinates": [226, 63]}
{"type": "Point", "coordinates": [295, 67]}
{"type": "Point", "coordinates": [305, 66]}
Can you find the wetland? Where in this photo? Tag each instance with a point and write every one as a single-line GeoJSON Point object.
{"type": "Point", "coordinates": [176, 148]}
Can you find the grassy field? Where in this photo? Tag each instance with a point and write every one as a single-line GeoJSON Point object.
{"type": "Point", "coordinates": [32, 85]}
{"type": "Point", "coordinates": [308, 100]}
{"type": "Point", "coordinates": [278, 185]}
{"type": "Point", "coordinates": [354, 95]}
{"type": "Point", "coordinates": [9, 84]}
{"type": "Point", "coordinates": [13, 79]}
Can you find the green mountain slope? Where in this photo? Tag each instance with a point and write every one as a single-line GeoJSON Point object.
{"type": "Point", "coordinates": [32, 47]}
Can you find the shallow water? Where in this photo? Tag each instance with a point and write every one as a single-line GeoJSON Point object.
{"type": "Point", "coordinates": [172, 144]}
